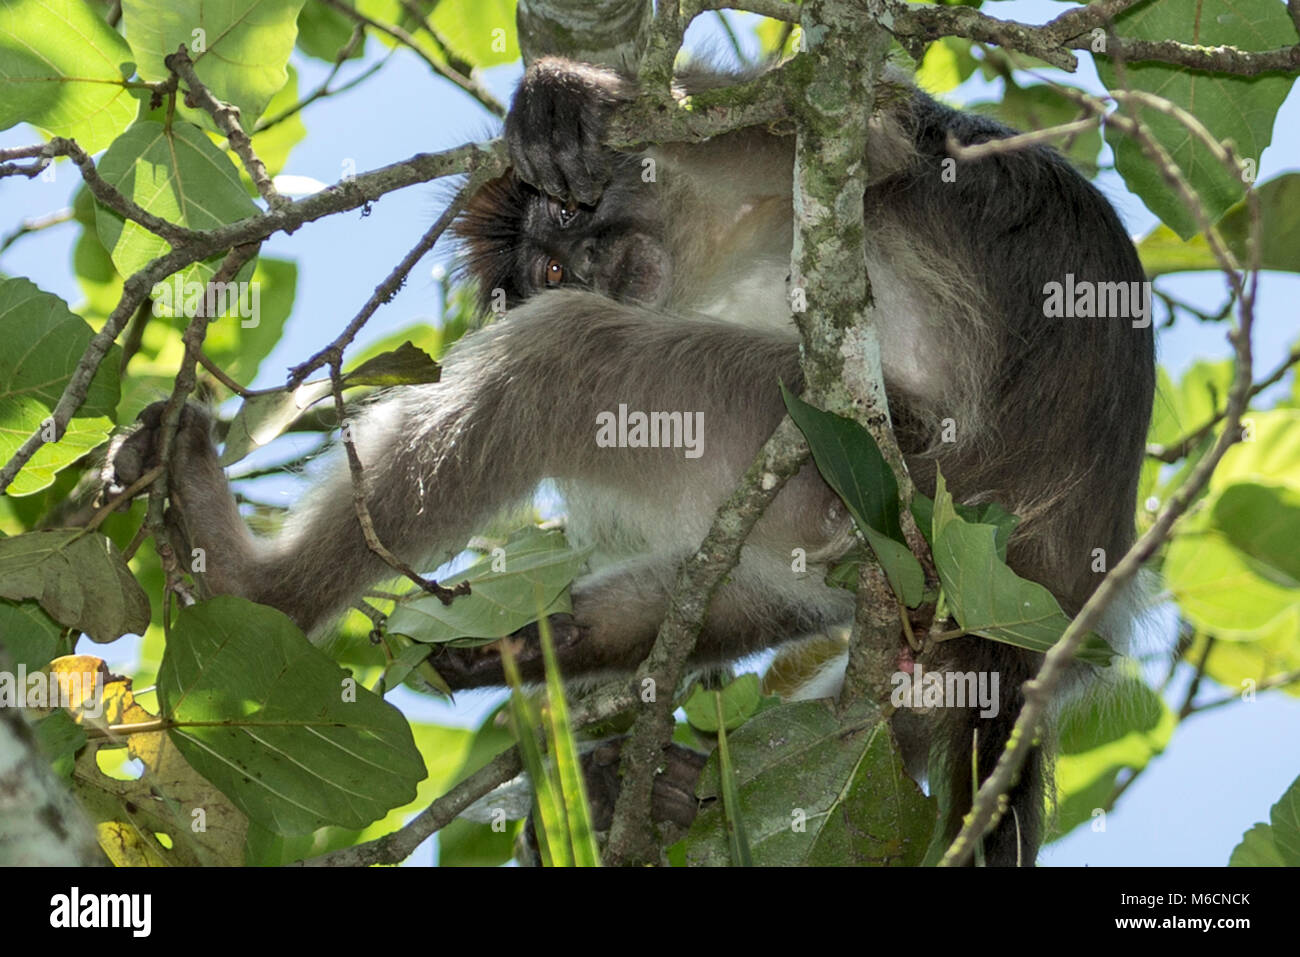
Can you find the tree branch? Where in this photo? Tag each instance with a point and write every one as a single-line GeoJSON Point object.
{"type": "Point", "coordinates": [632, 839]}
{"type": "Point", "coordinates": [226, 116]}
{"type": "Point", "coordinates": [193, 246]}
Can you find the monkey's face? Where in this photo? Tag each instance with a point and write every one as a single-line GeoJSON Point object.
{"type": "Point", "coordinates": [520, 242]}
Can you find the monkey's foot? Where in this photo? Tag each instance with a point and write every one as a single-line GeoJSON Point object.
{"type": "Point", "coordinates": [481, 666]}
{"type": "Point", "coordinates": [134, 454]}
{"type": "Point", "coordinates": [673, 799]}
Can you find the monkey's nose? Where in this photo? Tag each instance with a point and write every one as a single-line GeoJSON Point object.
{"type": "Point", "coordinates": [583, 261]}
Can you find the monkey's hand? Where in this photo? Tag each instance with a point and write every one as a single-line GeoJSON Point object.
{"type": "Point", "coordinates": [139, 451]}
{"type": "Point", "coordinates": [556, 124]}
{"type": "Point", "coordinates": [201, 514]}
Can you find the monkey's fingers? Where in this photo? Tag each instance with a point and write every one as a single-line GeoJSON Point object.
{"type": "Point", "coordinates": [555, 128]}
{"type": "Point", "coordinates": [132, 455]}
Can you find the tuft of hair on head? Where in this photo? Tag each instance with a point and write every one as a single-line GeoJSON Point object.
{"type": "Point", "coordinates": [488, 232]}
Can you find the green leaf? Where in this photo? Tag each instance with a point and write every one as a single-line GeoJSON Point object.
{"type": "Point", "coordinates": [504, 591]}
{"type": "Point", "coordinates": [270, 720]}
{"type": "Point", "coordinates": [79, 578]}
{"type": "Point", "coordinates": [262, 418]}
{"type": "Point", "coordinates": [428, 338]}
{"type": "Point", "coordinates": [989, 599]}
{"type": "Point", "coordinates": [815, 790]}
{"type": "Point", "coordinates": [988, 513]}
{"type": "Point", "coordinates": [851, 463]}
{"type": "Point", "coordinates": [1257, 849]}
{"type": "Point", "coordinates": [443, 750]}
{"type": "Point", "coordinates": [566, 765]}
{"type": "Point", "coordinates": [1121, 729]}
{"type": "Point", "coordinates": [323, 32]}
{"type": "Point", "coordinates": [62, 69]}
{"type": "Point", "coordinates": [1164, 251]}
{"type": "Point", "coordinates": [1263, 523]}
{"type": "Point", "coordinates": [481, 32]}
{"type": "Point", "coordinates": [1199, 396]}
{"type": "Point", "coordinates": [1279, 209]}
{"type": "Point", "coordinates": [239, 47]}
{"type": "Point", "coordinates": [1241, 109]}
{"type": "Point", "coordinates": [59, 738]}
{"type": "Point", "coordinates": [178, 174]}
{"type": "Point", "coordinates": [1269, 651]}
{"type": "Point", "coordinates": [465, 843]}
{"type": "Point", "coordinates": [1276, 844]}
{"type": "Point", "coordinates": [1234, 569]}
{"type": "Point", "coordinates": [44, 340]}
{"type": "Point", "coordinates": [406, 661]}
{"type": "Point", "coordinates": [1269, 451]}
{"type": "Point", "coordinates": [946, 65]}
{"type": "Point", "coordinates": [737, 837]}
{"type": "Point", "coordinates": [1279, 235]}
{"type": "Point", "coordinates": [240, 340]}
{"type": "Point", "coordinates": [740, 700]}
{"type": "Point", "coordinates": [405, 365]}
{"type": "Point", "coordinates": [31, 637]}
{"type": "Point", "coordinates": [551, 823]}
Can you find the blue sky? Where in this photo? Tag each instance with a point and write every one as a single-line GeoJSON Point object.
{"type": "Point", "coordinates": [1222, 771]}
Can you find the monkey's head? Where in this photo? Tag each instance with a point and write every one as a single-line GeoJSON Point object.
{"type": "Point", "coordinates": [518, 242]}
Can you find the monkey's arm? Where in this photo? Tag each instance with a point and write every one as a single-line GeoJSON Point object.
{"type": "Point", "coordinates": [561, 110]}
{"type": "Point", "coordinates": [518, 403]}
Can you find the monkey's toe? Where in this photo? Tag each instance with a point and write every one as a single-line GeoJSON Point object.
{"type": "Point", "coordinates": [481, 665]}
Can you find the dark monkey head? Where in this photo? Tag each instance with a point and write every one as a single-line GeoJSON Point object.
{"type": "Point", "coordinates": [520, 241]}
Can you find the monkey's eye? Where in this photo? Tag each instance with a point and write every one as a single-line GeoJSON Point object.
{"type": "Point", "coordinates": [564, 211]}
{"type": "Point", "coordinates": [554, 272]}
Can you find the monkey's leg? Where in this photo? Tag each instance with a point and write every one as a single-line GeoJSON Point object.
{"type": "Point", "coordinates": [616, 616]}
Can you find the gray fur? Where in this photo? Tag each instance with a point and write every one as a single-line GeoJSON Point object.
{"type": "Point", "coordinates": [679, 304]}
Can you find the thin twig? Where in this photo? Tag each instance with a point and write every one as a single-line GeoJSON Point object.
{"type": "Point", "coordinates": [467, 83]}
{"type": "Point", "coordinates": [599, 705]}
{"type": "Point", "coordinates": [220, 375]}
{"type": "Point", "coordinates": [344, 54]}
{"type": "Point", "coordinates": [226, 116]}
{"type": "Point", "coordinates": [373, 542]}
{"type": "Point", "coordinates": [186, 379]}
{"type": "Point", "coordinates": [42, 154]}
{"type": "Point", "coordinates": [35, 225]}
{"type": "Point", "coordinates": [1020, 141]}
{"type": "Point", "coordinates": [1177, 449]}
{"type": "Point", "coordinates": [1267, 684]}
{"type": "Point", "coordinates": [389, 288]}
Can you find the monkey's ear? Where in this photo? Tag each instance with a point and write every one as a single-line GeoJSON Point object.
{"type": "Point", "coordinates": [490, 231]}
{"type": "Point", "coordinates": [555, 127]}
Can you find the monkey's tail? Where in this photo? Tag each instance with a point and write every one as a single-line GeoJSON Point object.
{"type": "Point", "coordinates": [1015, 839]}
